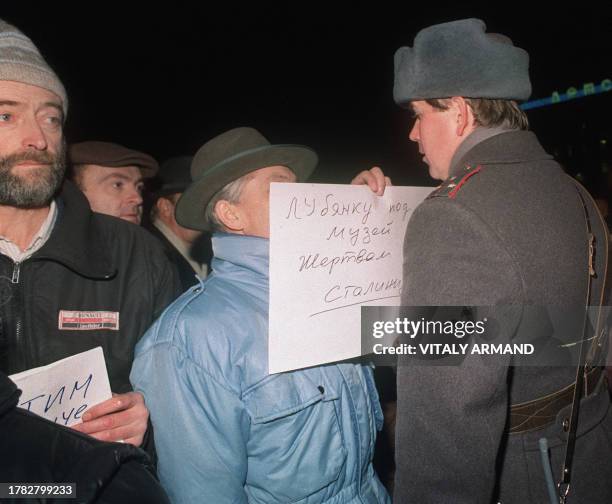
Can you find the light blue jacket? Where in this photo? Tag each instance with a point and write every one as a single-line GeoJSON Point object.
{"type": "Point", "coordinates": [226, 431]}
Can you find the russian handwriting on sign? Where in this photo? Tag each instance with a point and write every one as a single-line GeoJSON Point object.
{"type": "Point", "coordinates": [333, 248]}
{"type": "Point", "coordinates": [363, 256]}
{"type": "Point", "coordinates": [62, 391]}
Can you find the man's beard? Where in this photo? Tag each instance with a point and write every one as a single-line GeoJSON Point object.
{"type": "Point", "coordinates": [34, 190]}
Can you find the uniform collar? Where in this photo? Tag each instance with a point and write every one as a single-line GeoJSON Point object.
{"type": "Point", "coordinates": [477, 136]}
{"type": "Point", "coordinates": [497, 146]}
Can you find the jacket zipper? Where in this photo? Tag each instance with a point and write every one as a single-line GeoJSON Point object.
{"type": "Point", "coordinates": [19, 344]}
{"type": "Point", "coordinates": [16, 271]}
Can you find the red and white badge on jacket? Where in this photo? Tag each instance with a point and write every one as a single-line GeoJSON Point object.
{"type": "Point", "coordinates": [88, 320]}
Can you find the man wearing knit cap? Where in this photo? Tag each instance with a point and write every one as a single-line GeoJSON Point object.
{"type": "Point", "coordinates": [111, 176]}
{"type": "Point", "coordinates": [70, 279]}
{"type": "Point", "coordinates": [506, 227]}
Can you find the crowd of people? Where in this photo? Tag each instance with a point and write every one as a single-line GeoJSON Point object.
{"type": "Point", "coordinates": [177, 296]}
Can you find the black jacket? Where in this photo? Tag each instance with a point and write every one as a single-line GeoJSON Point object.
{"type": "Point", "coordinates": [52, 304]}
{"type": "Point", "coordinates": [186, 273]}
{"type": "Point", "coordinates": [35, 450]}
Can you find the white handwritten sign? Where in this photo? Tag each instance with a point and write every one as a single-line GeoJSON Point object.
{"type": "Point", "coordinates": [333, 248]}
{"type": "Point", "coordinates": [63, 390]}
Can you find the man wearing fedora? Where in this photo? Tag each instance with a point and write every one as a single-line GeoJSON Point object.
{"type": "Point", "coordinates": [226, 431]}
{"type": "Point", "coordinates": [70, 279]}
{"type": "Point", "coordinates": [505, 227]}
{"type": "Point", "coordinates": [183, 246]}
{"type": "Point", "coordinates": [111, 177]}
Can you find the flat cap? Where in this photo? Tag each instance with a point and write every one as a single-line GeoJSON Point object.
{"type": "Point", "coordinates": [112, 155]}
{"type": "Point", "coordinates": [460, 59]}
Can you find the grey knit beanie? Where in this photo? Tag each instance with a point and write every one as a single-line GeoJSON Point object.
{"type": "Point", "coordinates": [20, 61]}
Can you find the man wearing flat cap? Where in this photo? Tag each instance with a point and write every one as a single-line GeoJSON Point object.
{"type": "Point", "coordinates": [70, 279]}
{"type": "Point", "coordinates": [226, 431]}
{"type": "Point", "coordinates": [111, 176]}
{"type": "Point", "coordinates": [505, 228]}
{"type": "Point", "coordinates": [183, 246]}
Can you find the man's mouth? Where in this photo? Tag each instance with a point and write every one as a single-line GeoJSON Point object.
{"type": "Point", "coordinates": [31, 164]}
{"type": "Point", "coordinates": [131, 218]}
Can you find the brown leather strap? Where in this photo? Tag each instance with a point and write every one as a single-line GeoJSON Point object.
{"type": "Point", "coordinates": [542, 412]}
{"type": "Point", "coordinates": [566, 473]}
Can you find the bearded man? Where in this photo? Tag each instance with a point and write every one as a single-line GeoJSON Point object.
{"type": "Point", "coordinates": [70, 279]}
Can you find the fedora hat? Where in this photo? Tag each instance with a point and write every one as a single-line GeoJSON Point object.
{"type": "Point", "coordinates": [228, 157]}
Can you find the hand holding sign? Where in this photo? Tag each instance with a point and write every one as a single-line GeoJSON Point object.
{"type": "Point", "coordinates": [76, 389]}
{"type": "Point", "coordinates": [62, 391]}
{"type": "Point", "coordinates": [374, 178]}
{"type": "Point", "coordinates": [121, 418]}
{"type": "Point", "coordinates": [333, 248]}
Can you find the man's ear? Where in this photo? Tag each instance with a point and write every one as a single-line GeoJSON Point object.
{"type": "Point", "coordinates": [230, 216]}
{"type": "Point", "coordinates": [165, 208]}
{"type": "Point", "coordinates": [464, 116]}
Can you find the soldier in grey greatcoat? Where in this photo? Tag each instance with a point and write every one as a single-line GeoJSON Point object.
{"type": "Point", "coordinates": [506, 227]}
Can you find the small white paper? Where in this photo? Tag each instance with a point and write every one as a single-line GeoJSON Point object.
{"type": "Point", "coordinates": [63, 390]}
{"type": "Point", "coordinates": [333, 248]}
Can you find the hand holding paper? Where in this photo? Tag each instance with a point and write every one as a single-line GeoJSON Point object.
{"type": "Point", "coordinates": [121, 418]}
{"type": "Point", "coordinates": [374, 178]}
{"type": "Point", "coordinates": [333, 248]}
{"type": "Point", "coordinates": [76, 389]}
{"type": "Point", "coordinates": [62, 391]}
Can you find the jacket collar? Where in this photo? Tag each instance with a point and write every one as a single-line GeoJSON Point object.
{"type": "Point", "coordinates": [181, 247]}
{"type": "Point", "coordinates": [75, 240]}
{"type": "Point", "coordinates": [503, 147]}
{"type": "Point", "coordinates": [249, 252]}
{"type": "Point", "coordinates": [477, 136]}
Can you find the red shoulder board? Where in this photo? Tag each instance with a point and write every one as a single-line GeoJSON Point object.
{"type": "Point", "coordinates": [450, 187]}
{"type": "Point", "coordinates": [464, 179]}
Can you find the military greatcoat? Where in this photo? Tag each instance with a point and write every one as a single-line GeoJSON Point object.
{"type": "Point", "coordinates": [506, 228]}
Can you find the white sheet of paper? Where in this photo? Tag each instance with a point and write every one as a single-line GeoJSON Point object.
{"type": "Point", "coordinates": [63, 390]}
{"type": "Point", "coordinates": [333, 248]}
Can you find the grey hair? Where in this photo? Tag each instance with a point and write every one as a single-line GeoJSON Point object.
{"type": "Point", "coordinates": [230, 193]}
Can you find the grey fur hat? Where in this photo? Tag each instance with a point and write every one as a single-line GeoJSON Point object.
{"type": "Point", "coordinates": [460, 59]}
{"type": "Point", "coordinates": [20, 61]}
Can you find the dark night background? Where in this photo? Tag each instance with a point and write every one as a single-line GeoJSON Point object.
{"type": "Point", "coordinates": [165, 80]}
